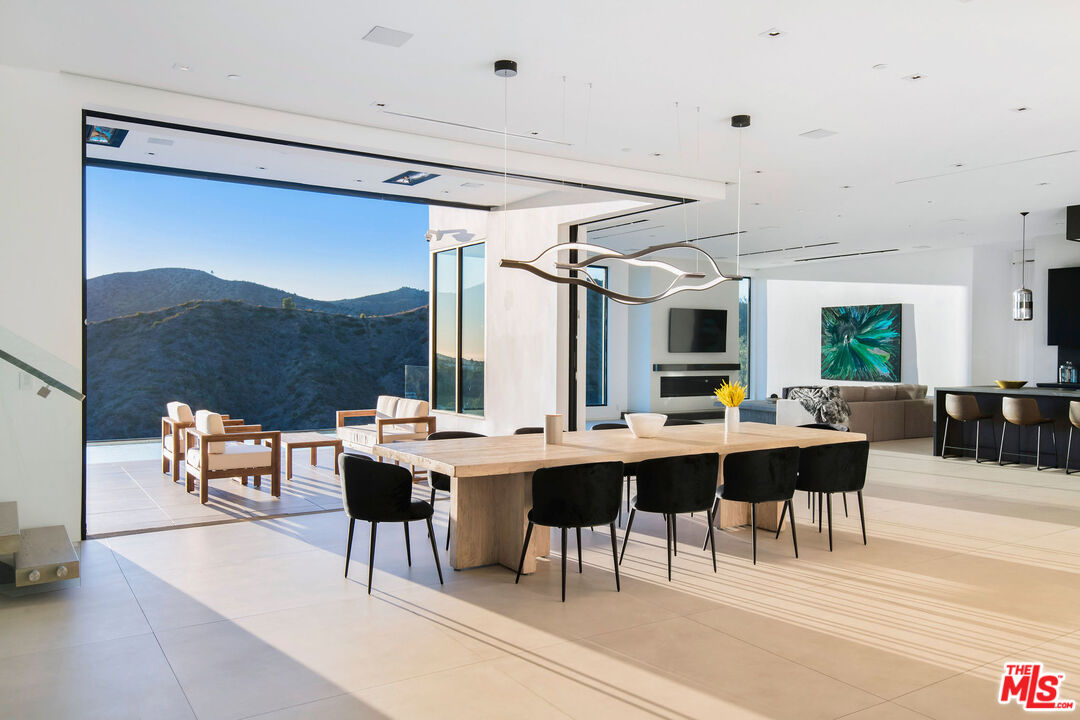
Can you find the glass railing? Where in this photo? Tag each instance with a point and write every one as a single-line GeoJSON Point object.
{"type": "Point", "coordinates": [416, 382]}
{"type": "Point", "coordinates": [39, 370]}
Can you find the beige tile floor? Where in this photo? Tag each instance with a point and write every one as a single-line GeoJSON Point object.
{"type": "Point", "coordinates": [133, 495]}
{"type": "Point", "coordinates": [967, 567]}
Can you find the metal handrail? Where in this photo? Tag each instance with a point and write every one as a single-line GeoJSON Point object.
{"type": "Point", "coordinates": [43, 376]}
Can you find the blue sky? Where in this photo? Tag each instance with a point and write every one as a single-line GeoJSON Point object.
{"type": "Point", "coordinates": [313, 244]}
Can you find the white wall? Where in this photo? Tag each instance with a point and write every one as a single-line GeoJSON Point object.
{"type": "Point", "coordinates": [41, 247]}
{"type": "Point", "coordinates": [935, 342]}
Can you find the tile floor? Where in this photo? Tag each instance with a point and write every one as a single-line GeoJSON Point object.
{"type": "Point", "coordinates": [127, 492]}
{"type": "Point", "coordinates": [967, 567]}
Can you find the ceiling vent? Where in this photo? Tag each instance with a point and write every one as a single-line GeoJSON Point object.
{"type": "Point", "coordinates": [159, 141]}
{"type": "Point", "coordinates": [818, 134]}
{"type": "Point", "coordinates": [387, 36]}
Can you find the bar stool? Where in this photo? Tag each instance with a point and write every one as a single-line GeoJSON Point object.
{"type": "Point", "coordinates": [1024, 412]}
{"type": "Point", "coordinates": [963, 409]}
{"type": "Point", "coordinates": [1074, 422]}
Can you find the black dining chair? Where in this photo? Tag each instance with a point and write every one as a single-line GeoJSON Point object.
{"type": "Point", "coordinates": [532, 430]}
{"type": "Point", "coordinates": [810, 496]}
{"type": "Point", "coordinates": [381, 492]}
{"type": "Point", "coordinates": [575, 496]}
{"type": "Point", "coordinates": [834, 468]}
{"type": "Point", "coordinates": [629, 469]}
{"type": "Point", "coordinates": [758, 476]}
{"type": "Point", "coordinates": [439, 481]}
{"type": "Point", "coordinates": [674, 485]}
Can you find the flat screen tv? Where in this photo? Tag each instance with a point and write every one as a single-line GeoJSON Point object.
{"type": "Point", "coordinates": [697, 331]}
{"type": "Point", "coordinates": [1063, 307]}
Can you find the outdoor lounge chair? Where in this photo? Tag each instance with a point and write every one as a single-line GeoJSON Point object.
{"type": "Point", "coordinates": [213, 452]}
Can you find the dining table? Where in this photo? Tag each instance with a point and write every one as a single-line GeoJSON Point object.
{"type": "Point", "coordinates": [491, 477]}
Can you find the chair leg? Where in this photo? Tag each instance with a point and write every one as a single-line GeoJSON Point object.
{"type": "Point", "coordinates": [780, 524]}
{"type": "Point", "coordinates": [945, 438]}
{"type": "Point", "coordinates": [1001, 447]}
{"type": "Point", "coordinates": [712, 514]}
{"type": "Point", "coordinates": [828, 503]}
{"type": "Point", "coordinates": [615, 555]}
{"type": "Point", "coordinates": [819, 513]}
{"type": "Point", "coordinates": [810, 504]}
{"type": "Point", "coordinates": [978, 430]}
{"type": "Point", "coordinates": [753, 528]}
{"type": "Point", "coordinates": [564, 564]}
{"type": "Point", "coordinates": [435, 550]}
{"type": "Point", "coordinates": [371, 557]}
{"type": "Point", "coordinates": [1038, 447]}
{"type": "Point", "coordinates": [348, 547]}
{"type": "Point", "coordinates": [408, 550]}
{"type": "Point", "coordinates": [674, 536]}
{"type": "Point", "coordinates": [862, 518]}
{"type": "Point", "coordinates": [1053, 436]}
{"type": "Point", "coordinates": [844, 496]}
{"type": "Point", "coordinates": [448, 532]}
{"type": "Point", "coordinates": [712, 540]}
{"type": "Point", "coordinates": [578, 530]}
{"type": "Point", "coordinates": [1068, 452]}
{"type": "Point", "coordinates": [626, 535]}
{"type": "Point", "coordinates": [524, 549]}
{"type": "Point", "coordinates": [794, 542]}
{"type": "Point", "coordinates": [667, 521]}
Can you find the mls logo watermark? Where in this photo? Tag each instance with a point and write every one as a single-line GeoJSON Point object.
{"type": "Point", "coordinates": [1032, 688]}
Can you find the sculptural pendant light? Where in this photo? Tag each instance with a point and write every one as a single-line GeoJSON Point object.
{"type": "Point", "coordinates": [1022, 298]}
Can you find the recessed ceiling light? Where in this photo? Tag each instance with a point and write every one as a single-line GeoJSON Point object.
{"type": "Point", "coordinates": [260, 167]}
{"type": "Point", "coordinates": [411, 177]}
{"type": "Point", "coordinates": [181, 67]}
{"type": "Point", "coordinates": [879, 66]}
{"type": "Point", "coordinates": [920, 247]}
{"type": "Point", "coordinates": [149, 153]}
{"type": "Point", "coordinates": [232, 77]}
{"type": "Point", "coordinates": [387, 36]}
{"type": "Point", "coordinates": [818, 134]}
{"type": "Point", "coordinates": [1022, 108]}
{"type": "Point", "coordinates": [359, 180]}
{"type": "Point", "coordinates": [755, 203]}
{"type": "Point", "coordinates": [758, 172]}
{"type": "Point", "coordinates": [1042, 183]}
{"type": "Point", "coordinates": [626, 149]}
{"type": "Point", "coordinates": [958, 165]}
{"type": "Point", "coordinates": [914, 76]}
{"type": "Point", "coordinates": [655, 154]}
{"type": "Point", "coordinates": [772, 32]}
{"type": "Point", "coordinates": [378, 104]}
{"type": "Point", "coordinates": [534, 133]}
{"type": "Point", "coordinates": [845, 187]}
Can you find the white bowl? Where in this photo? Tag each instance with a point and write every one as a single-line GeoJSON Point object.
{"type": "Point", "coordinates": [645, 425]}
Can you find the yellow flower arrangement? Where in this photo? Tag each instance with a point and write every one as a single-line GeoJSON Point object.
{"type": "Point", "coordinates": [730, 395]}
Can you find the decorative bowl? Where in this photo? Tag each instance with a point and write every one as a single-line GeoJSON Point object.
{"type": "Point", "coordinates": [645, 425]}
{"type": "Point", "coordinates": [1010, 384]}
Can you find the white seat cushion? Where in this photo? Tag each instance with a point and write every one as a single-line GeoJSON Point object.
{"type": "Point", "coordinates": [236, 456]}
{"type": "Point", "coordinates": [386, 406]}
{"type": "Point", "coordinates": [413, 408]}
{"type": "Point", "coordinates": [167, 444]}
{"type": "Point", "coordinates": [210, 423]}
{"type": "Point", "coordinates": [179, 411]}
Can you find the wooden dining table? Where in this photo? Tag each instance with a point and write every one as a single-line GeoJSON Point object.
{"type": "Point", "coordinates": [491, 477]}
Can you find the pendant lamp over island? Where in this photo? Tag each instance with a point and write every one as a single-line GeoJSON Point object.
{"type": "Point", "coordinates": [1022, 298]}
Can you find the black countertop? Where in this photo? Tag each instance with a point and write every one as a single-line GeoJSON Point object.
{"type": "Point", "coordinates": [1027, 391]}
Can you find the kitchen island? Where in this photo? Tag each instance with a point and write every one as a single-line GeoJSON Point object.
{"type": "Point", "coordinates": [1053, 403]}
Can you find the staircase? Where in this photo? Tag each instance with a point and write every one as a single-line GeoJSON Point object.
{"type": "Point", "coordinates": [38, 556]}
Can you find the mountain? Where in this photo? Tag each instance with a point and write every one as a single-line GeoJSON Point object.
{"type": "Point", "coordinates": [284, 369]}
{"type": "Point", "coordinates": [125, 293]}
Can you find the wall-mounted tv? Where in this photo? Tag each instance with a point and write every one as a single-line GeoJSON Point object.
{"type": "Point", "coordinates": [697, 331]}
{"type": "Point", "coordinates": [1063, 307]}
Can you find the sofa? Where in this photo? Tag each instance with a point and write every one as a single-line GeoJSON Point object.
{"type": "Point", "coordinates": [394, 419]}
{"type": "Point", "coordinates": [881, 412]}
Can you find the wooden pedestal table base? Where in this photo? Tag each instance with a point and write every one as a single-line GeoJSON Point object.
{"type": "Point", "coordinates": [488, 518]}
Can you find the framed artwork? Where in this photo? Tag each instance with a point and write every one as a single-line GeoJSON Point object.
{"type": "Point", "coordinates": [861, 342]}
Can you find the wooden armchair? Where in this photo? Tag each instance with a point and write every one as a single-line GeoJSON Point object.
{"type": "Point", "coordinates": [215, 451]}
{"type": "Point", "coordinates": [178, 419]}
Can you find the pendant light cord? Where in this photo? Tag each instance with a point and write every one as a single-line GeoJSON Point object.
{"type": "Point", "coordinates": [1023, 249]}
{"type": "Point", "coordinates": [506, 146]}
{"type": "Point", "coordinates": [738, 209]}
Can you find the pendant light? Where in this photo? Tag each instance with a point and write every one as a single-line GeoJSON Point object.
{"type": "Point", "coordinates": [1022, 298]}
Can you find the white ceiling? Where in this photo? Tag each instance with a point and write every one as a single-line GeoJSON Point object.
{"type": "Point", "coordinates": [621, 66]}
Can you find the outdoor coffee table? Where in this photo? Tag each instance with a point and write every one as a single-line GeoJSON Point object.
{"type": "Point", "coordinates": [313, 440]}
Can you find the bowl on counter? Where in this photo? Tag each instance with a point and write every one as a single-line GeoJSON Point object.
{"type": "Point", "coordinates": [1010, 384]}
{"type": "Point", "coordinates": [646, 425]}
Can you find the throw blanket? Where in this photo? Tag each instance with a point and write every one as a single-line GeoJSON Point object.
{"type": "Point", "coordinates": [825, 404]}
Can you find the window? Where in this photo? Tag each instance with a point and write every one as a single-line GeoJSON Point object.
{"type": "Point", "coordinates": [744, 332]}
{"type": "Point", "coordinates": [596, 340]}
{"type": "Point", "coordinates": [458, 347]}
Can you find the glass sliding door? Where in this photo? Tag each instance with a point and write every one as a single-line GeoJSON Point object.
{"type": "Point", "coordinates": [458, 342]}
{"type": "Point", "coordinates": [472, 329]}
{"type": "Point", "coordinates": [445, 340]}
{"type": "Point", "coordinates": [596, 340]}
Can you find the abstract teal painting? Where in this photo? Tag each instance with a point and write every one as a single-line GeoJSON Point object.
{"type": "Point", "coordinates": [861, 342]}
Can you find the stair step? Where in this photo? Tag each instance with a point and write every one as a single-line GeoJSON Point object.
{"type": "Point", "coordinates": [45, 555]}
{"type": "Point", "coordinates": [9, 528]}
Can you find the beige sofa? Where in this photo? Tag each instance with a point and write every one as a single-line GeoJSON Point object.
{"type": "Point", "coordinates": [881, 412]}
{"type": "Point", "coordinates": [396, 419]}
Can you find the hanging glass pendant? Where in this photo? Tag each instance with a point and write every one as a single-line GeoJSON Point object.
{"type": "Point", "coordinates": [1023, 300]}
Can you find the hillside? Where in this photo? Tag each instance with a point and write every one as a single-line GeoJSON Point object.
{"type": "Point", "coordinates": [285, 369]}
{"type": "Point", "coordinates": [126, 293]}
